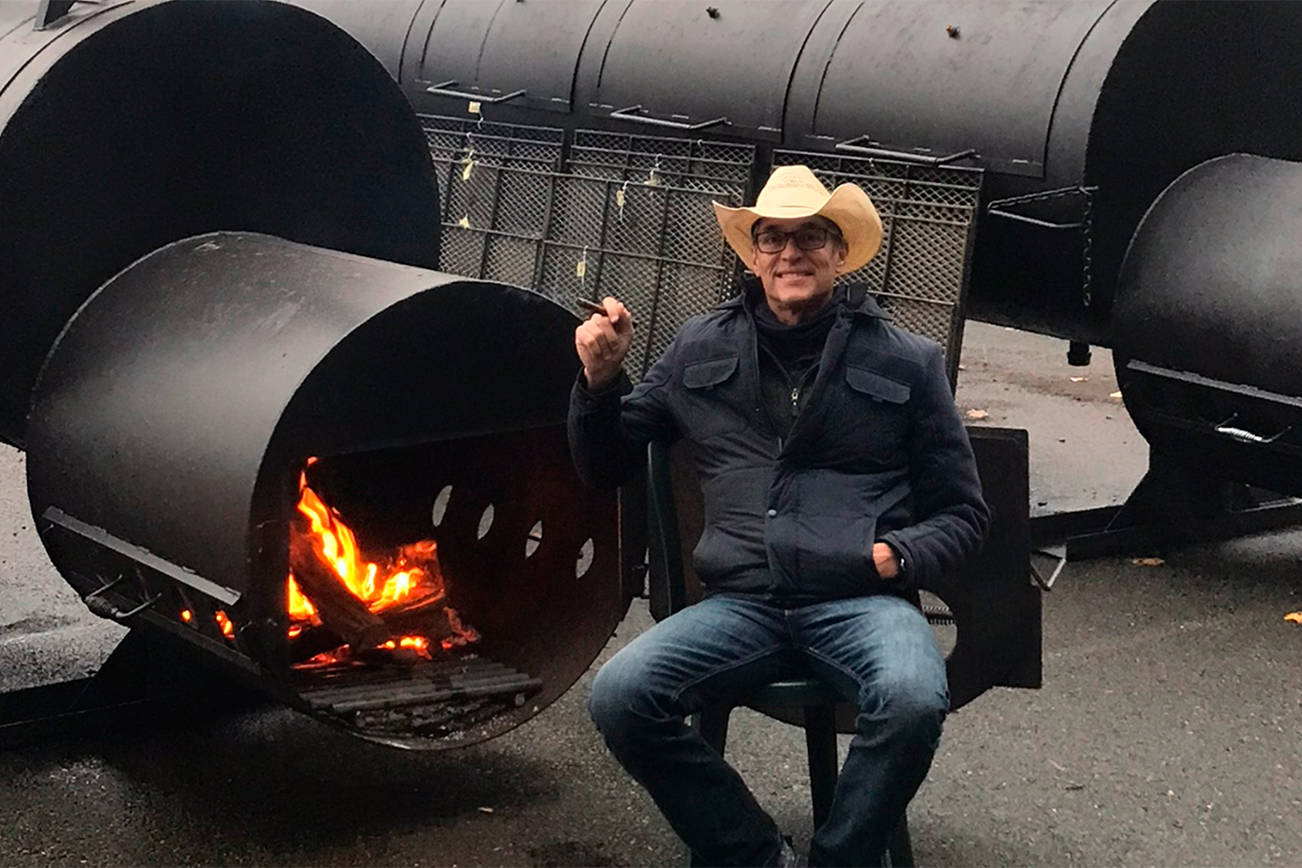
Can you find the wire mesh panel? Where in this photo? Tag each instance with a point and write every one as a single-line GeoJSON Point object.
{"type": "Point", "coordinates": [655, 247]}
{"type": "Point", "coordinates": [447, 135]}
{"type": "Point", "coordinates": [686, 163]}
{"type": "Point", "coordinates": [453, 140]}
{"type": "Point", "coordinates": [928, 213]}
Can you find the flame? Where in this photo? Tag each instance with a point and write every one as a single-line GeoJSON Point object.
{"type": "Point", "coordinates": [300, 608]}
{"type": "Point", "coordinates": [408, 580]}
{"type": "Point", "coordinates": [334, 542]}
{"type": "Point", "coordinates": [187, 616]}
{"type": "Point", "coordinates": [228, 629]}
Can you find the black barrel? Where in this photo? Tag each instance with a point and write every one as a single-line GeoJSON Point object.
{"type": "Point", "coordinates": [129, 125]}
{"type": "Point", "coordinates": [1081, 111]}
{"type": "Point", "coordinates": [1209, 321]}
{"type": "Point", "coordinates": [178, 408]}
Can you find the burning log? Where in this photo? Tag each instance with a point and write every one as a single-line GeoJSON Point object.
{"type": "Point", "coordinates": [337, 607]}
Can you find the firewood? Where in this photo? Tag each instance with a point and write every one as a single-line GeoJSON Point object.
{"type": "Point", "coordinates": [337, 607]}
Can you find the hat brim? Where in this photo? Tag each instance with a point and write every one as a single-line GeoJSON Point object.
{"type": "Point", "coordinates": [848, 207]}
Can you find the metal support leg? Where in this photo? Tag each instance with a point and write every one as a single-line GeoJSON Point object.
{"type": "Point", "coordinates": [712, 724]}
{"type": "Point", "coordinates": [899, 853]}
{"type": "Point", "coordinates": [1174, 504]}
{"type": "Point", "coordinates": [820, 743]}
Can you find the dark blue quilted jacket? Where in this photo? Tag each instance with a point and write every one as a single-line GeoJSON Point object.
{"type": "Point", "coordinates": [877, 453]}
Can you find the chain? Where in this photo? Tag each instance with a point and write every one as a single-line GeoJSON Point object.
{"type": "Point", "coordinates": [1087, 249]}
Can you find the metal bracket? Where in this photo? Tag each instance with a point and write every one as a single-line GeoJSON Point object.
{"type": "Point", "coordinates": [628, 113]}
{"type": "Point", "coordinates": [999, 207]}
{"type": "Point", "coordinates": [866, 146]}
{"type": "Point", "coordinates": [1058, 553]}
{"type": "Point", "coordinates": [142, 556]}
{"type": "Point", "coordinates": [100, 605]}
{"type": "Point", "coordinates": [447, 88]}
{"type": "Point", "coordinates": [50, 11]}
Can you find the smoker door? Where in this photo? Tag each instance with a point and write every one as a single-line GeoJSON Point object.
{"type": "Point", "coordinates": [937, 77]}
{"type": "Point", "coordinates": [498, 48]}
{"type": "Point", "coordinates": [687, 62]}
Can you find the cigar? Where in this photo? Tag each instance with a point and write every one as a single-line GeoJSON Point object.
{"type": "Point", "coordinates": [589, 306]}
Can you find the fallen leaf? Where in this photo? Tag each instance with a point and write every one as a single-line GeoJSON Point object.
{"type": "Point", "coordinates": [1116, 396]}
{"type": "Point", "coordinates": [1074, 786]}
{"type": "Point", "coordinates": [1294, 617]}
{"type": "Point", "coordinates": [485, 809]}
{"type": "Point", "coordinates": [1147, 562]}
{"type": "Point", "coordinates": [1079, 379]}
{"type": "Point", "coordinates": [977, 414]}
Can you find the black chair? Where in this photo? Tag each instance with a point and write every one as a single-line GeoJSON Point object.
{"type": "Point", "coordinates": [993, 605]}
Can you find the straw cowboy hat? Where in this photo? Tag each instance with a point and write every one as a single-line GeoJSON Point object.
{"type": "Point", "coordinates": [793, 191]}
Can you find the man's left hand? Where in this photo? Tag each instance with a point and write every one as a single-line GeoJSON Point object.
{"type": "Point", "coordinates": [888, 566]}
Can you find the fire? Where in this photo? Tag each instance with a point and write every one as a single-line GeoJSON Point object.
{"type": "Point", "coordinates": [227, 628]}
{"type": "Point", "coordinates": [300, 607]}
{"type": "Point", "coordinates": [407, 581]}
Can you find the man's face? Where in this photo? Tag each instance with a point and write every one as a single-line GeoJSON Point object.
{"type": "Point", "coordinates": [797, 282]}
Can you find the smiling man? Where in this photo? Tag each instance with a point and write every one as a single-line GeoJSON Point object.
{"type": "Point", "coordinates": [837, 476]}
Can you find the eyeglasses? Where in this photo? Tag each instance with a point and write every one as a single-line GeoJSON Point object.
{"type": "Point", "coordinates": [806, 237]}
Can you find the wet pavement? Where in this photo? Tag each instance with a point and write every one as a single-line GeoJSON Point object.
{"type": "Point", "coordinates": [1167, 731]}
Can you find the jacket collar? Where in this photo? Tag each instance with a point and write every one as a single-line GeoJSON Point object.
{"type": "Point", "coordinates": [857, 298]}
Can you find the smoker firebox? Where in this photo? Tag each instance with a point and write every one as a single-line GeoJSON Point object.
{"type": "Point", "coordinates": [167, 462]}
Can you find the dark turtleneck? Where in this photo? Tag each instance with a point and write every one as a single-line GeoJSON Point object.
{"type": "Point", "coordinates": [788, 358]}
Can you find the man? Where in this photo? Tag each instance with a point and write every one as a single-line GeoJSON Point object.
{"type": "Point", "coordinates": [837, 476]}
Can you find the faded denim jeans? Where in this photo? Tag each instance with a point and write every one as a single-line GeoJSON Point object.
{"type": "Point", "coordinates": [878, 652]}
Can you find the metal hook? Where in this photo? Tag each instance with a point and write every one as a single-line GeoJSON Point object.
{"type": "Point", "coordinates": [621, 196]}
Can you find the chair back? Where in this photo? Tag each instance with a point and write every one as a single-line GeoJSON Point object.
{"type": "Point", "coordinates": [995, 606]}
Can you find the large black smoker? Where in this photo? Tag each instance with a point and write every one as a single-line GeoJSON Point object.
{"type": "Point", "coordinates": [1165, 129]}
{"type": "Point", "coordinates": [215, 293]}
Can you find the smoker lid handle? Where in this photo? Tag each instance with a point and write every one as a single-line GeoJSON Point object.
{"type": "Point", "coordinates": [449, 88]}
{"type": "Point", "coordinates": [630, 113]}
{"type": "Point", "coordinates": [864, 145]}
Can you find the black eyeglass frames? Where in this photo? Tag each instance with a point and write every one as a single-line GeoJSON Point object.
{"type": "Point", "coordinates": [806, 237]}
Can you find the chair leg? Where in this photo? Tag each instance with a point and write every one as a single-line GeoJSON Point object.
{"type": "Point", "coordinates": [899, 853]}
{"type": "Point", "coordinates": [820, 743]}
{"type": "Point", "coordinates": [712, 723]}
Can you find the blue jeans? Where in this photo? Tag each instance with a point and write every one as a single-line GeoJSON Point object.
{"type": "Point", "coordinates": [877, 651]}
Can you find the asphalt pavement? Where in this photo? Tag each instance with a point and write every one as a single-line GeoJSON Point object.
{"type": "Point", "coordinates": [1167, 731]}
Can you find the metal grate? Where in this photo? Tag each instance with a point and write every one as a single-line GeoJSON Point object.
{"type": "Point", "coordinates": [448, 135]}
{"type": "Point", "coordinates": [654, 246]}
{"type": "Point", "coordinates": [433, 699]}
{"type": "Point", "coordinates": [685, 163]}
{"type": "Point", "coordinates": [633, 219]}
{"type": "Point", "coordinates": [928, 213]}
{"type": "Point", "coordinates": [517, 145]}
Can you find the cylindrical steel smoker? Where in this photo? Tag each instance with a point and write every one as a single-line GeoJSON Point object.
{"type": "Point", "coordinates": [1081, 114]}
{"type": "Point", "coordinates": [255, 424]}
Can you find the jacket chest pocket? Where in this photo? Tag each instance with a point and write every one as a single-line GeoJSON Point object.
{"type": "Point", "coordinates": [878, 414]}
{"type": "Point", "coordinates": [709, 398]}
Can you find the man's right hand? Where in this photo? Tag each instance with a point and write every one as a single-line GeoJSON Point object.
{"type": "Point", "coordinates": [602, 343]}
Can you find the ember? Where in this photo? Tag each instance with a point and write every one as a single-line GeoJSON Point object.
{"type": "Point", "coordinates": [393, 605]}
